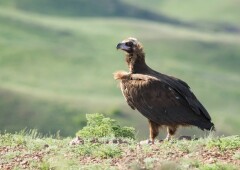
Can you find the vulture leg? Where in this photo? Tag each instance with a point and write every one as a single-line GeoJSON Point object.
{"type": "Point", "coordinates": [153, 130]}
{"type": "Point", "coordinates": [170, 132]}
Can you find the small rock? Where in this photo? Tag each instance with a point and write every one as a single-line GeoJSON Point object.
{"type": "Point", "coordinates": [24, 162]}
{"type": "Point", "coordinates": [146, 142]}
{"type": "Point", "coordinates": [115, 141]}
{"type": "Point", "coordinates": [94, 140]}
{"type": "Point", "coordinates": [46, 146]}
{"type": "Point", "coordinates": [211, 160]}
{"type": "Point", "coordinates": [77, 141]}
{"type": "Point", "coordinates": [185, 138]}
{"type": "Point", "coordinates": [36, 157]}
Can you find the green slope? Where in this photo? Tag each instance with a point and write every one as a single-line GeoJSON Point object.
{"type": "Point", "coordinates": [215, 15]}
{"type": "Point", "coordinates": [68, 64]}
{"type": "Point", "coordinates": [216, 11]}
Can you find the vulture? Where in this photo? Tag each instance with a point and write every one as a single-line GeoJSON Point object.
{"type": "Point", "coordinates": [164, 100]}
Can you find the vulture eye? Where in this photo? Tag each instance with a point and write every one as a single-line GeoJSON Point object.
{"type": "Point", "coordinates": [130, 44]}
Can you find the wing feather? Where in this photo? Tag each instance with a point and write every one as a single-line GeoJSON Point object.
{"type": "Point", "coordinates": [157, 100]}
{"type": "Point", "coordinates": [184, 90]}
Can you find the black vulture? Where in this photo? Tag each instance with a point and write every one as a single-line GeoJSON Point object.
{"type": "Point", "coordinates": [164, 100]}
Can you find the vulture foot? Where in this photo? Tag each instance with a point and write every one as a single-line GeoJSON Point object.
{"type": "Point", "coordinates": [169, 137]}
{"type": "Point", "coordinates": [146, 142]}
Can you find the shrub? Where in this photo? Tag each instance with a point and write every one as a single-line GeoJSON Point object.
{"type": "Point", "coordinates": [100, 126]}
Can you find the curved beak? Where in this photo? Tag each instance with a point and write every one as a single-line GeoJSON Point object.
{"type": "Point", "coordinates": [119, 46]}
{"type": "Point", "coordinates": [122, 46]}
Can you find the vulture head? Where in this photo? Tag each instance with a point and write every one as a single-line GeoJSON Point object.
{"type": "Point", "coordinates": [130, 45]}
{"type": "Point", "coordinates": [135, 56]}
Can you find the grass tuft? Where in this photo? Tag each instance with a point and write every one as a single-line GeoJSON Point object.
{"type": "Point", "coordinates": [217, 166]}
{"type": "Point", "coordinates": [225, 143]}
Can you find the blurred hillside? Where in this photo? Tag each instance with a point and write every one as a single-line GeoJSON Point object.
{"type": "Point", "coordinates": [57, 58]}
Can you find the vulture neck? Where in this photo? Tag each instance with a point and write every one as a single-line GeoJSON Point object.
{"type": "Point", "coordinates": [136, 63]}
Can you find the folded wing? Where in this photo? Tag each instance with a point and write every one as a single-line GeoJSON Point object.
{"type": "Point", "coordinates": [164, 101]}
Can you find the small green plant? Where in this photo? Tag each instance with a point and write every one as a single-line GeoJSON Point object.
{"type": "Point", "coordinates": [44, 165]}
{"type": "Point", "coordinates": [225, 143]}
{"type": "Point", "coordinates": [11, 155]}
{"type": "Point", "coordinates": [149, 162]}
{"type": "Point", "coordinates": [99, 150]}
{"type": "Point", "coordinates": [217, 166]}
{"type": "Point", "coordinates": [8, 139]}
{"type": "Point", "coordinates": [237, 156]}
{"type": "Point", "coordinates": [100, 126]}
{"type": "Point", "coordinates": [108, 151]}
{"type": "Point", "coordinates": [87, 149]}
{"type": "Point", "coordinates": [192, 164]}
{"type": "Point", "coordinates": [183, 146]}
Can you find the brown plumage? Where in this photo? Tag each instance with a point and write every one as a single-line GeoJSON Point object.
{"type": "Point", "coordinates": [164, 100]}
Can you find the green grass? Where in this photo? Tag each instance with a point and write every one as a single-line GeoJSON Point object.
{"type": "Point", "coordinates": [55, 69]}
{"type": "Point", "coordinates": [226, 143]}
{"type": "Point", "coordinates": [31, 150]}
{"type": "Point", "coordinates": [223, 11]}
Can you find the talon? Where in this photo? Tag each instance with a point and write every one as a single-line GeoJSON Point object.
{"type": "Point", "coordinates": [150, 142]}
{"type": "Point", "coordinates": [168, 138]}
{"type": "Point", "coordinates": [147, 142]}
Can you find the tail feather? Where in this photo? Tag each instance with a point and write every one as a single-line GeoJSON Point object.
{"type": "Point", "coordinates": [204, 125]}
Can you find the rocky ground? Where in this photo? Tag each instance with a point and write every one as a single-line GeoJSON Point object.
{"type": "Point", "coordinates": [21, 151]}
